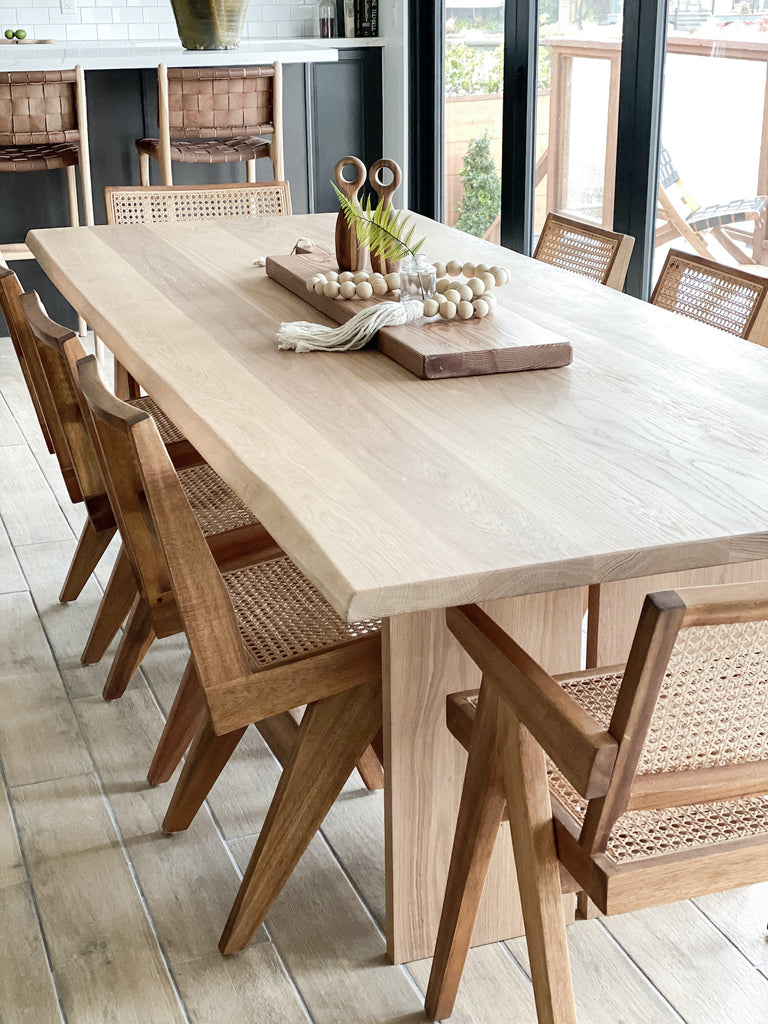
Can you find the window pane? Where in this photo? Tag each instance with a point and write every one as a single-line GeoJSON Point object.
{"type": "Point", "coordinates": [577, 109]}
{"type": "Point", "coordinates": [473, 101]}
{"type": "Point", "coordinates": [714, 144]}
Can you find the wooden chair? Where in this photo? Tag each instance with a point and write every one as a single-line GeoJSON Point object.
{"type": "Point", "coordinates": [585, 249]}
{"type": "Point", "coordinates": [44, 127]}
{"type": "Point", "coordinates": [160, 204]}
{"type": "Point", "coordinates": [680, 216]}
{"type": "Point", "coordinates": [216, 116]}
{"type": "Point", "coordinates": [231, 529]}
{"type": "Point", "coordinates": [638, 785]}
{"type": "Point", "coordinates": [262, 641]}
{"type": "Point", "coordinates": [724, 297]}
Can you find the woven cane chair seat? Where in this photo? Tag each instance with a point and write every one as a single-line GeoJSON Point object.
{"type": "Point", "coordinates": [706, 291]}
{"type": "Point", "coordinates": [167, 429]}
{"type": "Point", "coordinates": [43, 157]}
{"type": "Point", "coordinates": [712, 710]}
{"type": "Point", "coordinates": [282, 616]}
{"type": "Point", "coordinates": [216, 506]}
{"type": "Point", "coordinates": [211, 151]}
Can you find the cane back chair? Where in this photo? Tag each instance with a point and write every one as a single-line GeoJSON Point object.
{"type": "Point", "coordinates": [643, 782]}
{"type": "Point", "coordinates": [724, 297]}
{"type": "Point", "coordinates": [231, 530]}
{"type": "Point", "coordinates": [262, 641]}
{"type": "Point", "coordinates": [585, 249]}
{"type": "Point", "coordinates": [160, 204]}
{"type": "Point", "coordinates": [216, 116]}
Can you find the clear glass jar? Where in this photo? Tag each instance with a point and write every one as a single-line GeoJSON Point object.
{"type": "Point", "coordinates": [326, 19]}
{"type": "Point", "coordinates": [418, 279]}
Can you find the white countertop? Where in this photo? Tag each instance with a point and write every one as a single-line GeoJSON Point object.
{"type": "Point", "coordinates": [112, 56]}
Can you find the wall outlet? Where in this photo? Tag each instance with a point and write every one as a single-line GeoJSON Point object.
{"type": "Point", "coordinates": [69, 6]}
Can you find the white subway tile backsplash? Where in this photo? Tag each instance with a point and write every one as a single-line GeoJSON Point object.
{"type": "Point", "coordinates": [123, 20]}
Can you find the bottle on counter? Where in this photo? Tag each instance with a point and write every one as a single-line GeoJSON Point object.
{"type": "Point", "coordinates": [326, 16]}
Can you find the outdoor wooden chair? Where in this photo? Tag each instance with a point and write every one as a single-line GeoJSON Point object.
{"type": "Point", "coordinates": [216, 116]}
{"type": "Point", "coordinates": [262, 641]}
{"type": "Point", "coordinates": [638, 784]}
{"type": "Point", "coordinates": [164, 203]}
{"type": "Point", "coordinates": [681, 216]}
{"type": "Point", "coordinates": [724, 297]}
{"type": "Point", "coordinates": [232, 531]}
{"type": "Point", "coordinates": [585, 249]}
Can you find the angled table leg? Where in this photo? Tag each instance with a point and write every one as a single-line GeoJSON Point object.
{"type": "Point", "coordinates": [424, 765]}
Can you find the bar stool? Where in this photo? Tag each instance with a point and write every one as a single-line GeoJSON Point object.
{"type": "Point", "coordinates": [43, 127]}
{"type": "Point", "coordinates": [216, 116]}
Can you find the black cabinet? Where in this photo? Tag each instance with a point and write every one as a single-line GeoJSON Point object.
{"type": "Point", "coordinates": [330, 110]}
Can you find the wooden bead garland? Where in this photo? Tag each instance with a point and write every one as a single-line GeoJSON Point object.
{"type": "Point", "coordinates": [452, 298]}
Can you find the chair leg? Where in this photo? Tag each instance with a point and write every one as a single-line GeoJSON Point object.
{"type": "Point", "coordinates": [137, 639]}
{"type": "Point", "coordinates": [333, 734]}
{"type": "Point", "coordinates": [204, 764]}
{"type": "Point", "coordinates": [538, 873]}
{"type": "Point", "coordinates": [371, 769]}
{"type": "Point", "coordinates": [184, 721]}
{"type": "Point", "coordinates": [480, 815]}
{"type": "Point", "coordinates": [91, 546]}
{"type": "Point", "coordinates": [116, 603]}
{"type": "Point", "coordinates": [250, 170]}
{"type": "Point", "coordinates": [144, 168]}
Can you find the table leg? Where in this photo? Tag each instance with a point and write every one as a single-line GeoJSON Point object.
{"type": "Point", "coordinates": [425, 765]}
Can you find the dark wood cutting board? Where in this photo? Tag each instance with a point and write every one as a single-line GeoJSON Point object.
{"type": "Point", "coordinates": [504, 342]}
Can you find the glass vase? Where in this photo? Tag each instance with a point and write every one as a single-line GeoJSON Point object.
{"type": "Point", "coordinates": [209, 24]}
{"type": "Point", "coordinates": [417, 279]}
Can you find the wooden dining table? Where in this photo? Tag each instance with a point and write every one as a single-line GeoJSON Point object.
{"type": "Point", "coordinates": [399, 497]}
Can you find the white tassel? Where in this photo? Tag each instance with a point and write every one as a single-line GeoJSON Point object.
{"type": "Point", "coordinates": [307, 337]}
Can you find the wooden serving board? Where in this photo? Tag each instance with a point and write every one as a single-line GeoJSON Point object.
{"type": "Point", "coordinates": [503, 342]}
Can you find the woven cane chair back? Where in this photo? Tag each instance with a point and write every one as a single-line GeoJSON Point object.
{"type": "Point", "coordinates": [38, 107]}
{"type": "Point", "coordinates": [221, 103]}
{"type": "Point", "coordinates": [722, 297]}
{"type": "Point", "coordinates": [585, 249]}
{"type": "Point", "coordinates": [141, 204]}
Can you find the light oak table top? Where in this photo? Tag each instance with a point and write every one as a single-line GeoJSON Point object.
{"type": "Point", "coordinates": [395, 494]}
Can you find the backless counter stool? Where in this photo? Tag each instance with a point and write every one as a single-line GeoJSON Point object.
{"type": "Point", "coordinates": [216, 116]}
{"type": "Point", "coordinates": [43, 127]}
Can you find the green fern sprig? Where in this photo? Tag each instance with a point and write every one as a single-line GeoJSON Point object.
{"type": "Point", "coordinates": [382, 230]}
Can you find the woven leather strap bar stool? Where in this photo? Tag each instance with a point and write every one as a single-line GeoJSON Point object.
{"type": "Point", "coordinates": [216, 116]}
{"type": "Point", "coordinates": [44, 127]}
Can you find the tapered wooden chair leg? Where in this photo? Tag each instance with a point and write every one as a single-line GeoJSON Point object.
{"type": "Point", "coordinates": [333, 734]}
{"type": "Point", "coordinates": [115, 605]}
{"type": "Point", "coordinates": [91, 546]}
{"type": "Point", "coordinates": [204, 764]}
{"type": "Point", "coordinates": [136, 641]}
{"type": "Point", "coordinates": [480, 815]}
{"type": "Point", "coordinates": [538, 873]}
{"type": "Point", "coordinates": [371, 769]}
{"type": "Point", "coordinates": [184, 721]}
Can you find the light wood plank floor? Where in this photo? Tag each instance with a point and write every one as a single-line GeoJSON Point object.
{"type": "Point", "coordinates": [105, 919]}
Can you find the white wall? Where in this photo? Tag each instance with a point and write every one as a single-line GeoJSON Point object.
{"type": "Point", "coordinates": [137, 20]}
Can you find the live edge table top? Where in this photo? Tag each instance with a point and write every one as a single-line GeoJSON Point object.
{"type": "Point", "coordinates": [649, 453]}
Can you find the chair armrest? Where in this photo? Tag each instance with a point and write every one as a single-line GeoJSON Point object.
{"type": "Point", "coordinates": [583, 751]}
